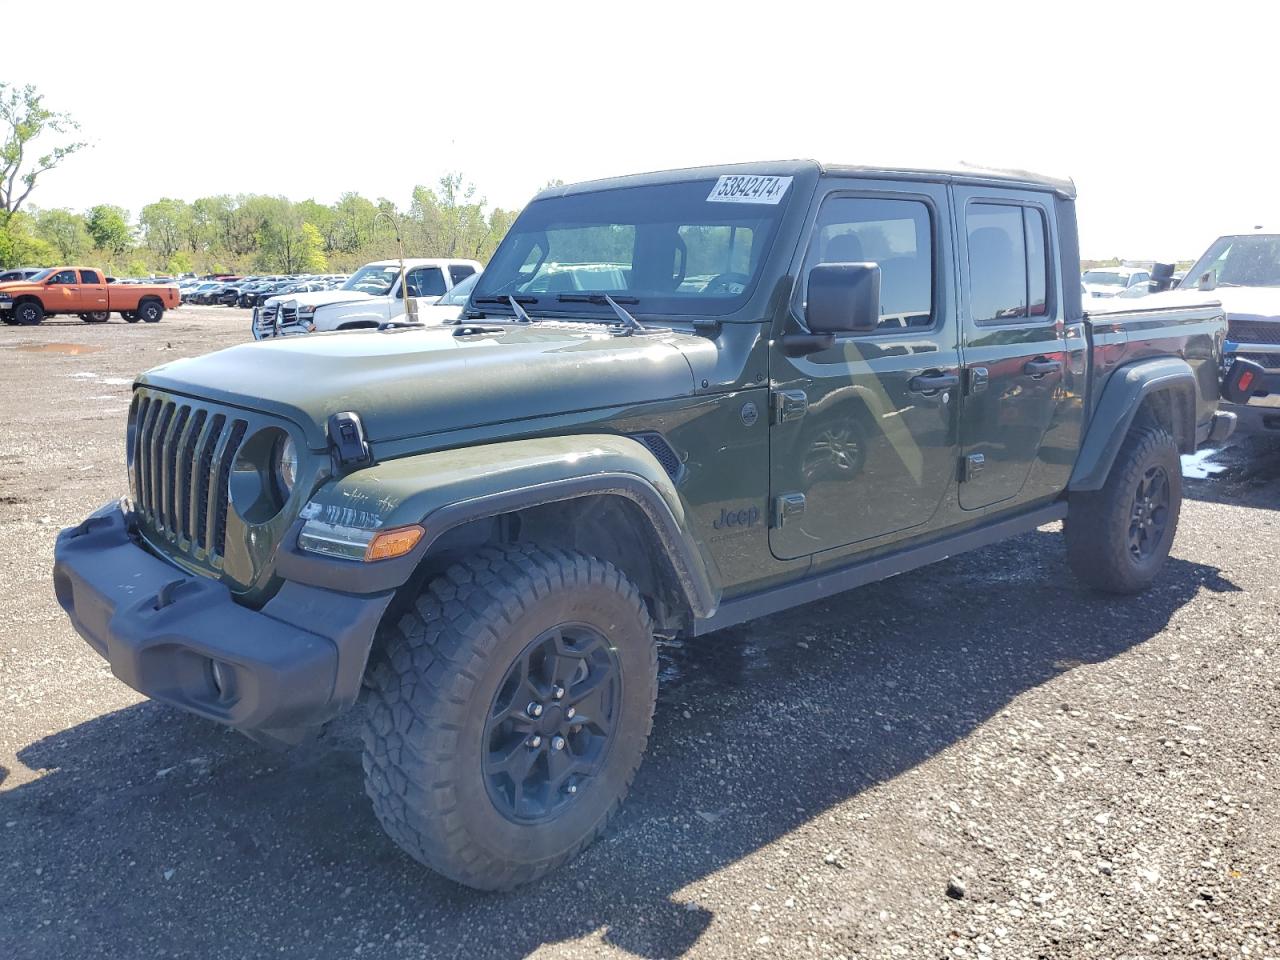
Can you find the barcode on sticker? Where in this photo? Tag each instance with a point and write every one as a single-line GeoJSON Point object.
{"type": "Point", "coordinates": [743, 189]}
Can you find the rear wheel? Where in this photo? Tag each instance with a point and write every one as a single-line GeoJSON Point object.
{"type": "Point", "coordinates": [509, 712]}
{"type": "Point", "coordinates": [150, 311]}
{"type": "Point", "coordinates": [1119, 537]}
{"type": "Point", "coordinates": [28, 313]}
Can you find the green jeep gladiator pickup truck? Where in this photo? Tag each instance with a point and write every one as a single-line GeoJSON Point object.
{"type": "Point", "coordinates": [674, 402]}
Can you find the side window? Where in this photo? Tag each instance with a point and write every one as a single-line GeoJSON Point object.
{"type": "Point", "coordinates": [896, 234]}
{"type": "Point", "coordinates": [1008, 262]}
{"type": "Point", "coordinates": [89, 276]}
{"type": "Point", "coordinates": [460, 271]}
{"type": "Point", "coordinates": [66, 276]}
{"type": "Point", "coordinates": [425, 282]}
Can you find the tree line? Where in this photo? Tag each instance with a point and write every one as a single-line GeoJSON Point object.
{"type": "Point", "coordinates": [220, 234]}
{"type": "Point", "coordinates": [257, 233]}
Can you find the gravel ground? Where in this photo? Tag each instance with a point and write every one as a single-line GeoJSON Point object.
{"type": "Point", "coordinates": [979, 759]}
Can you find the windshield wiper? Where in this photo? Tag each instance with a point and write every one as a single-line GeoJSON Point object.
{"type": "Point", "coordinates": [630, 323]}
{"type": "Point", "coordinates": [521, 315]}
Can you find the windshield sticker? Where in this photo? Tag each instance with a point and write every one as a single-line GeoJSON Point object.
{"type": "Point", "coordinates": [739, 189]}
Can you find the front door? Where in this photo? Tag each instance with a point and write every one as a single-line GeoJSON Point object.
{"type": "Point", "coordinates": [864, 435]}
{"type": "Point", "coordinates": [1014, 341]}
{"type": "Point", "coordinates": [64, 293]}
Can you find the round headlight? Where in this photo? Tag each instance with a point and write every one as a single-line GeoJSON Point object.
{"type": "Point", "coordinates": [286, 467]}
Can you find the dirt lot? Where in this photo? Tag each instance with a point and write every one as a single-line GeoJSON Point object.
{"type": "Point", "coordinates": [1097, 774]}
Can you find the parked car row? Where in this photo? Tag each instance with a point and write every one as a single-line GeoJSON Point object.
{"type": "Point", "coordinates": [250, 291]}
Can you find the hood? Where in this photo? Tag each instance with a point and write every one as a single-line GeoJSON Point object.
{"type": "Point", "coordinates": [1239, 303]}
{"type": "Point", "coordinates": [317, 297]}
{"type": "Point", "coordinates": [415, 382]}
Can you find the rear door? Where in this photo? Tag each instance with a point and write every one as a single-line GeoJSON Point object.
{"type": "Point", "coordinates": [93, 291]}
{"type": "Point", "coordinates": [1013, 340]}
{"type": "Point", "coordinates": [864, 440]}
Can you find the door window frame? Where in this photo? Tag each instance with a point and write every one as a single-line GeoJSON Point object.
{"type": "Point", "coordinates": [1051, 304]}
{"type": "Point", "coordinates": [937, 310]}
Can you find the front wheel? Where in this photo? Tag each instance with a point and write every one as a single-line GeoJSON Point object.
{"type": "Point", "coordinates": [28, 313]}
{"type": "Point", "coordinates": [1119, 537]}
{"type": "Point", "coordinates": [509, 712]}
{"type": "Point", "coordinates": [95, 316]}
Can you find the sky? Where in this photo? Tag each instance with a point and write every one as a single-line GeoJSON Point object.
{"type": "Point", "coordinates": [1162, 113]}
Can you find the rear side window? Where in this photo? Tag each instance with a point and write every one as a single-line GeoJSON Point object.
{"type": "Point", "coordinates": [1008, 263]}
{"type": "Point", "coordinates": [425, 282]}
{"type": "Point", "coordinates": [896, 234]}
{"type": "Point", "coordinates": [460, 271]}
{"type": "Point", "coordinates": [89, 276]}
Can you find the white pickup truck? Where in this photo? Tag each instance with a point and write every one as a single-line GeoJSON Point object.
{"type": "Point", "coordinates": [370, 298]}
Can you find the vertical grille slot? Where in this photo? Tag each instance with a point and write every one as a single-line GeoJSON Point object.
{"type": "Point", "coordinates": [174, 437]}
{"type": "Point", "coordinates": [204, 478]}
{"type": "Point", "coordinates": [154, 473]}
{"type": "Point", "coordinates": [186, 494]}
{"type": "Point", "coordinates": [139, 428]}
{"type": "Point", "coordinates": [224, 486]}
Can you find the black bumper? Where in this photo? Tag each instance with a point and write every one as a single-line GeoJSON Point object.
{"type": "Point", "coordinates": [293, 664]}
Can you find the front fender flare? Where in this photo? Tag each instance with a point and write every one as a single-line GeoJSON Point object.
{"type": "Point", "coordinates": [448, 488]}
{"type": "Point", "coordinates": [1119, 403]}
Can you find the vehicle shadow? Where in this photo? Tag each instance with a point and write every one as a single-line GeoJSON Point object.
{"type": "Point", "coordinates": [157, 832]}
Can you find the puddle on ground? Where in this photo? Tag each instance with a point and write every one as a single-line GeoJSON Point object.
{"type": "Point", "coordinates": [1201, 466]}
{"type": "Point", "coordinates": [68, 349]}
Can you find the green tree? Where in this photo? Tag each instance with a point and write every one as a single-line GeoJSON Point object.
{"type": "Point", "coordinates": [65, 232]}
{"type": "Point", "coordinates": [180, 262]}
{"type": "Point", "coordinates": [23, 120]}
{"type": "Point", "coordinates": [20, 247]}
{"type": "Point", "coordinates": [109, 228]}
{"type": "Point", "coordinates": [163, 226]}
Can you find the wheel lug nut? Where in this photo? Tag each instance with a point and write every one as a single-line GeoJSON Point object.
{"type": "Point", "coordinates": [557, 692]}
{"type": "Point", "coordinates": [535, 742]}
{"type": "Point", "coordinates": [571, 713]}
{"type": "Point", "coordinates": [570, 788]}
{"type": "Point", "coordinates": [534, 709]}
{"type": "Point", "coordinates": [557, 743]}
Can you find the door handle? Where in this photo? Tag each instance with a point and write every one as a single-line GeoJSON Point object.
{"type": "Point", "coordinates": [1040, 366]}
{"type": "Point", "coordinates": [933, 382]}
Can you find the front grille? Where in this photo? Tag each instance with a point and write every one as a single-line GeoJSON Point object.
{"type": "Point", "coordinates": [1254, 331]}
{"type": "Point", "coordinates": [181, 472]}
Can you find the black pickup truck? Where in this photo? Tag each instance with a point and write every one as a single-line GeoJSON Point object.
{"type": "Point", "coordinates": [674, 402]}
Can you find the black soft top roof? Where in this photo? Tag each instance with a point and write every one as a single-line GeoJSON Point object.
{"type": "Point", "coordinates": [783, 168]}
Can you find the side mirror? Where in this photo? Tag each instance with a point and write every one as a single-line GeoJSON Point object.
{"type": "Point", "coordinates": [1161, 277]}
{"type": "Point", "coordinates": [1208, 281]}
{"type": "Point", "coordinates": [843, 298]}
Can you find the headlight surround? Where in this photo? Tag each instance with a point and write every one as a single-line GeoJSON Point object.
{"type": "Point", "coordinates": [306, 308]}
{"type": "Point", "coordinates": [285, 466]}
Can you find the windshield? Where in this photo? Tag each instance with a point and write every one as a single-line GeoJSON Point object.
{"type": "Point", "coordinates": [41, 275]}
{"type": "Point", "coordinates": [666, 247]}
{"type": "Point", "coordinates": [457, 297]}
{"type": "Point", "coordinates": [1106, 278]}
{"type": "Point", "coordinates": [1248, 261]}
{"type": "Point", "coordinates": [373, 279]}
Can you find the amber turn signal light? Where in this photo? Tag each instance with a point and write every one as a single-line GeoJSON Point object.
{"type": "Point", "coordinates": [389, 544]}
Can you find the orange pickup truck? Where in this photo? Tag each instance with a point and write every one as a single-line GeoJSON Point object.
{"type": "Point", "coordinates": [85, 292]}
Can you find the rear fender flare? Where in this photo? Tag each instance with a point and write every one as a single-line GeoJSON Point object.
{"type": "Point", "coordinates": [1121, 398]}
{"type": "Point", "coordinates": [446, 489]}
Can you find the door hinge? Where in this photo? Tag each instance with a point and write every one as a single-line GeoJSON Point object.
{"type": "Point", "coordinates": [977, 379]}
{"type": "Point", "coordinates": [971, 466]}
{"type": "Point", "coordinates": [789, 405]}
{"type": "Point", "coordinates": [788, 506]}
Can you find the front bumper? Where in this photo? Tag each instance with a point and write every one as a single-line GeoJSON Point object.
{"type": "Point", "coordinates": [1261, 415]}
{"type": "Point", "coordinates": [182, 639]}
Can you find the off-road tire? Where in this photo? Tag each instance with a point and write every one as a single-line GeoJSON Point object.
{"type": "Point", "coordinates": [28, 313]}
{"type": "Point", "coordinates": [434, 680]}
{"type": "Point", "coordinates": [1098, 524]}
{"type": "Point", "coordinates": [128, 316]}
{"type": "Point", "coordinates": [150, 311]}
